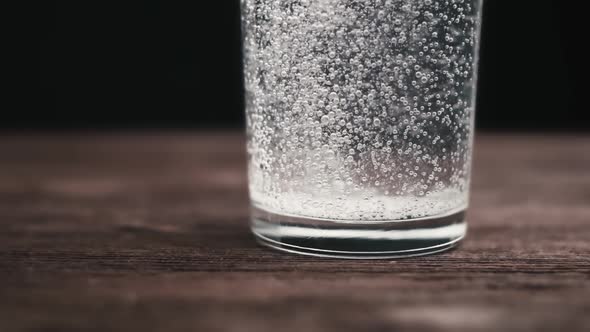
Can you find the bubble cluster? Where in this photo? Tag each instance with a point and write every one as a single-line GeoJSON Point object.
{"type": "Point", "coordinates": [360, 109]}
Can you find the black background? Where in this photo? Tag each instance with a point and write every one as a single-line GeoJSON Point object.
{"type": "Point", "coordinates": [169, 64]}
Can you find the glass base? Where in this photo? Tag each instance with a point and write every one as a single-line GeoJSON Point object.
{"type": "Point", "coordinates": [359, 240]}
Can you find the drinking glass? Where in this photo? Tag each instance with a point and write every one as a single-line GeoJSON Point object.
{"type": "Point", "coordinates": [360, 123]}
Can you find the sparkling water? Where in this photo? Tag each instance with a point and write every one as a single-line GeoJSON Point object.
{"type": "Point", "coordinates": [360, 111]}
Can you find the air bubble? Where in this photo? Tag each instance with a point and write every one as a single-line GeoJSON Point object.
{"type": "Point", "coordinates": [349, 102]}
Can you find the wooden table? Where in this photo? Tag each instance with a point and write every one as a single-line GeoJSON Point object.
{"type": "Point", "coordinates": [149, 232]}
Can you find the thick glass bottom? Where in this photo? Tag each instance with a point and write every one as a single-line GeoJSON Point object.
{"type": "Point", "coordinates": [361, 239]}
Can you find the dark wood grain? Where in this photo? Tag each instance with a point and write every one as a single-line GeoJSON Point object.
{"type": "Point", "coordinates": [150, 233]}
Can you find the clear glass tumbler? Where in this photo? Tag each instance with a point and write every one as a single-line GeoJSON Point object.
{"type": "Point", "coordinates": [360, 123]}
